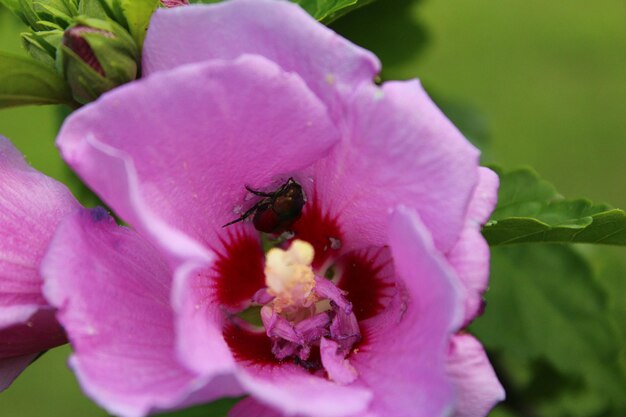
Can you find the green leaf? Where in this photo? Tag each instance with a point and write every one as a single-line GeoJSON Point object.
{"type": "Point", "coordinates": [24, 81]}
{"type": "Point", "coordinates": [546, 306]}
{"type": "Point", "coordinates": [219, 408]}
{"type": "Point", "coordinates": [530, 210]}
{"type": "Point", "coordinates": [548, 324]}
{"type": "Point", "coordinates": [137, 14]}
{"type": "Point", "coordinates": [42, 46]}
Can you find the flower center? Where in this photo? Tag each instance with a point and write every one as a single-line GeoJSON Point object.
{"type": "Point", "coordinates": [304, 314]}
{"type": "Point", "coordinates": [289, 276]}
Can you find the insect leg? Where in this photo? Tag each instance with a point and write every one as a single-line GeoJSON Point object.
{"type": "Point", "coordinates": [259, 193]}
{"type": "Point", "coordinates": [244, 216]}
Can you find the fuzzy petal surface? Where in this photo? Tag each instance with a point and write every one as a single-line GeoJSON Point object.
{"type": "Point", "coordinates": [31, 206]}
{"type": "Point", "coordinates": [470, 255]}
{"type": "Point", "coordinates": [403, 356]}
{"type": "Point", "coordinates": [112, 290]}
{"type": "Point", "coordinates": [397, 148]}
{"type": "Point", "coordinates": [477, 386]}
{"type": "Point", "coordinates": [172, 153]}
{"type": "Point", "coordinates": [278, 30]}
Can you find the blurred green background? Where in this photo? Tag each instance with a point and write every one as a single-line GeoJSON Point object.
{"type": "Point", "coordinates": [540, 83]}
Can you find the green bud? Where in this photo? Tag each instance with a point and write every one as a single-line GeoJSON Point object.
{"type": "Point", "coordinates": [96, 56]}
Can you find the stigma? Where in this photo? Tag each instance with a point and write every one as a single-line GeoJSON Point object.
{"type": "Point", "coordinates": [289, 276]}
{"type": "Point", "coordinates": [307, 318]}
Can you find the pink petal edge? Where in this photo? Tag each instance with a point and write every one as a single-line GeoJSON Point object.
{"type": "Point", "coordinates": [477, 386]}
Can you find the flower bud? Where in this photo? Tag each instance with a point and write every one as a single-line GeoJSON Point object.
{"type": "Point", "coordinates": [174, 3]}
{"type": "Point", "coordinates": [96, 56]}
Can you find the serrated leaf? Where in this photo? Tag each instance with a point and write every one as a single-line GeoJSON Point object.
{"type": "Point", "coordinates": [24, 81]}
{"type": "Point", "coordinates": [38, 48]}
{"type": "Point", "coordinates": [530, 210]}
{"type": "Point", "coordinates": [62, 17]}
{"type": "Point", "coordinates": [28, 13]}
{"type": "Point", "coordinates": [544, 304]}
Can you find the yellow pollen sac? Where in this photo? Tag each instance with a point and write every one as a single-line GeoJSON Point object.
{"type": "Point", "coordinates": [289, 276]}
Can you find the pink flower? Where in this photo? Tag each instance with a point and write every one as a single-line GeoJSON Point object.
{"type": "Point", "coordinates": [250, 107]}
{"type": "Point", "coordinates": [31, 206]}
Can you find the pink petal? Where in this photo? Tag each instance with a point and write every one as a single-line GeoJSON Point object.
{"type": "Point", "coordinates": [397, 148]}
{"type": "Point", "coordinates": [31, 206]}
{"type": "Point", "coordinates": [403, 355]}
{"type": "Point", "coordinates": [279, 31]}
{"type": "Point", "coordinates": [292, 390]}
{"type": "Point", "coordinates": [200, 317]}
{"type": "Point", "coordinates": [470, 255]}
{"type": "Point", "coordinates": [172, 153]}
{"type": "Point", "coordinates": [10, 368]}
{"type": "Point", "coordinates": [39, 331]}
{"type": "Point", "coordinates": [477, 385]}
{"type": "Point", "coordinates": [338, 367]}
{"type": "Point", "coordinates": [112, 290]}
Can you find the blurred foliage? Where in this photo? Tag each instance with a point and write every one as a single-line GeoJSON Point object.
{"type": "Point", "coordinates": [530, 210]}
{"type": "Point", "coordinates": [528, 82]}
{"type": "Point", "coordinates": [390, 28]}
{"type": "Point", "coordinates": [549, 326]}
{"type": "Point", "coordinates": [217, 408]}
{"type": "Point", "coordinates": [24, 81]}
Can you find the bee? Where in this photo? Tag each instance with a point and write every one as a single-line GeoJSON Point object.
{"type": "Point", "coordinates": [276, 211]}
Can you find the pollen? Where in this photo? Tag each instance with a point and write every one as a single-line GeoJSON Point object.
{"type": "Point", "coordinates": [289, 276]}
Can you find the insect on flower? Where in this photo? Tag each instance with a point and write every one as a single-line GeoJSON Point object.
{"type": "Point", "coordinates": [277, 211]}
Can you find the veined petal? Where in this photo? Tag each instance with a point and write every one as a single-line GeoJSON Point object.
{"type": "Point", "coordinates": [477, 385]}
{"type": "Point", "coordinates": [470, 255]}
{"type": "Point", "coordinates": [31, 206]}
{"type": "Point", "coordinates": [403, 356]}
{"type": "Point", "coordinates": [397, 148]}
{"type": "Point", "coordinates": [171, 154]}
{"type": "Point", "coordinates": [277, 30]}
{"type": "Point", "coordinates": [112, 290]}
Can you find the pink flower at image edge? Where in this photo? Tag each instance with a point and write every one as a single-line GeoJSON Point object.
{"type": "Point", "coordinates": [395, 199]}
{"type": "Point", "coordinates": [31, 206]}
